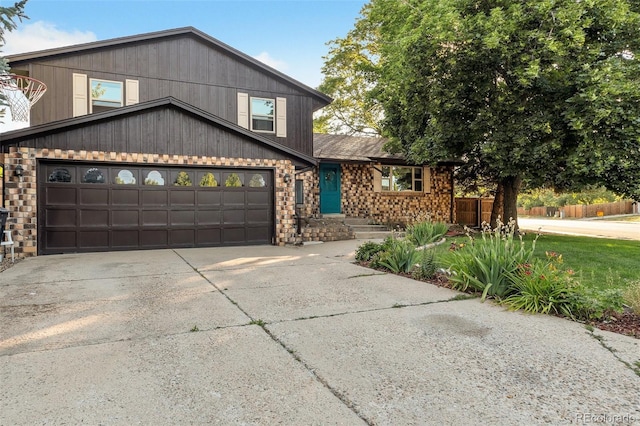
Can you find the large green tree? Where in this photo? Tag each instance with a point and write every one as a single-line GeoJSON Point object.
{"type": "Point", "coordinates": [8, 16]}
{"type": "Point", "coordinates": [538, 91]}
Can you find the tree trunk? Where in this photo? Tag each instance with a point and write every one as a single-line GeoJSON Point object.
{"type": "Point", "coordinates": [505, 201]}
{"type": "Point", "coordinates": [511, 186]}
{"type": "Point", "coordinates": [498, 205]}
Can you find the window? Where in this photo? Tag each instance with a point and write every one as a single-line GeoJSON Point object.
{"type": "Point", "coordinates": [154, 177]}
{"type": "Point", "coordinates": [125, 177]}
{"type": "Point", "coordinates": [105, 95]}
{"type": "Point", "coordinates": [60, 175]}
{"type": "Point", "coordinates": [93, 175]}
{"type": "Point", "coordinates": [263, 115]}
{"type": "Point", "coordinates": [396, 178]}
{"type": "Point", "coordinates": [299, 192]}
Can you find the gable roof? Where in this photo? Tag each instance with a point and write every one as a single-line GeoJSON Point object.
{"type": "Point", "coordinates": [16, 136]}
{"type": "Point", "coordinates": [351, 148]}
{"type": "Point", "coordinates": [321, 98]}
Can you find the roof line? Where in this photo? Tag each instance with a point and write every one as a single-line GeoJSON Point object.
{"type": "Point", "coordinates": [163, 34]}
{"type": "Point", "coordinates": [15, 136]}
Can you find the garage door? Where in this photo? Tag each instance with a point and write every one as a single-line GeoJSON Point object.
{"type": "Point", "coordinates": [102, 207]}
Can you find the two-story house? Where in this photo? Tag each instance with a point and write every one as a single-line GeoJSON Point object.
{"type": "Point", "coordinates": [161, 140]}
{"type": "Point", "coordinates": [175, 139]}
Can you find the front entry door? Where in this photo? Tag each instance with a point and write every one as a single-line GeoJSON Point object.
{"type": "Point", "coordinates": [329, 188]}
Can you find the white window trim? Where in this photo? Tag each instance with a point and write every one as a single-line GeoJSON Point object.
{"type": "Point", "coordinates": [91, 80]}
{"type": "Point", "coordinates": [80, 89]}
{"type": "Point", "coordinates": [251, 114]}
{"type": "Point", "coordinates": [426, 179]}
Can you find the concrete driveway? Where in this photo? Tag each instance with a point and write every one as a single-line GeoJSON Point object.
{"type": "Point", "coordinates": [283, 335]}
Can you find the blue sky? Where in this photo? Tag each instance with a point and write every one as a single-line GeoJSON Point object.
{"type": "Point", "coordinates": [289, 35]}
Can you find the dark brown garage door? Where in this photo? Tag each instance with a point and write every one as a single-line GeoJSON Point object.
{"type": "Point", "coordinates": [102, 207]}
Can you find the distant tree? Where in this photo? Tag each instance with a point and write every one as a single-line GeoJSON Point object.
{"type": "Point", "coordinates": [183, 179]}
{"type": "Point", "coordinates": [233, 180]}
{"type": "Point", "coordinates": [8, 16]}
{"type": "Point", "coordinates": [350, 71]}
{"type": "Point", "coordinates": [208, 180]}
{"type": "Point", "coordinates": [542, 92]}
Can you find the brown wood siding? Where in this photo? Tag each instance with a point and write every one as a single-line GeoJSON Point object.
{"type": "Point", "coordinates": [182, 67]}
{"type": "Point", "coordinates": [162, 131]}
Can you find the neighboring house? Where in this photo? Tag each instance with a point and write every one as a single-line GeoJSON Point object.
{"type": "Point", "coordinates": [357, 178]}
{"type": "Point", "coordinates": [161, 140]}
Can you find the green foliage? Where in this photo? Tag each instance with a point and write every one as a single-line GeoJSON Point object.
{"type": "Point", "coordinates": [589, 303]}
{"type": "Point", "coordinates": [233, 180]}
{"type": "Point", "coordinates": [151, 182]}
{"type": "Point", "coordinates": [349, 71]}
{"type": "Point", "coordinates": [423, 233]}
{"type": "Point", "coordinates": [208, 180]}
{"type": "Point", "coordinates": [541, 287]}
{"type": "Point", "coordinates": [484, 265]}
{"type": "Point", "coordinates": [400, 256]}
{"type": "Point", "coordinates": [366, 251]}
{"type": "Point", "coordinates": [183, 179]}
{"type": "Point", "coordinates": [538, 91]}
{"type": "Point", "coordinates": [426, 267]}
{"type": "Point", "coordinates": [631, 296]}
{"type": "Point", "coordinates": [549, 198]}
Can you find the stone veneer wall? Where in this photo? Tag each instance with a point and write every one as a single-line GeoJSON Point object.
{"type": "Point", "coordinates": [21, 194]}
{"type": "Point", "coordinates": [311, 207]}
{"type": "Point", "coordinates": [394, 208]}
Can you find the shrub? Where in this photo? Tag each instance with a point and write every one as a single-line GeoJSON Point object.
{"type": "Point", "coordinates": [423, 233]}
{"type": "Point", "coordinates": [541, 287]}
{"type": "Point", "coordinates": [401, 256]}
{"type": "Point", "coordinates": [484, 264]}
{"type": "Point", "coordinates": [595, 304]}
{"type": "Point", "coordinates": [632, 297]}
{"type": "Point", "coordinates": [368, 250]}
{"type": "Point", "coordinates": [208, 180]}
{"type": "Point", "coordinates": [426, 267]}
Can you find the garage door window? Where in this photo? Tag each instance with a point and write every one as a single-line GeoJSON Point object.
{"type": "Point", "coordinates": [125, 177]}
{"type": "Point", "coordinates": [60, 175]}
{"type": "Point", "coordinates": [257, 181]}
{"type": "Point", "coordinates": [209, 179]}
{"type": "Point", "coordinates": [154, 177]}
{"type": "Point", "coordinates": [93, 175]}
{"type": "Point", "coordinates": [182, 178]}
{"type": "Point", "coordinates": [233, 179]}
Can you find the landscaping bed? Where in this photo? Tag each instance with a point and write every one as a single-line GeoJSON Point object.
{"type": "Point", "coordinates": [599, 285]}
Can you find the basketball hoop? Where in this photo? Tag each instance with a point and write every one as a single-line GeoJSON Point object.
{"type": "Point", "coordinates": [21, 93]}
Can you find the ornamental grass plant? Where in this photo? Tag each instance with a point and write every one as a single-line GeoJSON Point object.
{"type": "Point", "coordinates": [423, 233]}
{"type": "Point", "coordinates": [484, 264]}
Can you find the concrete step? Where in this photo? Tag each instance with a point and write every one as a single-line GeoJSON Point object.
{"type": "Point", "coordinates": [357, 221]}
{"type": "Point", "coordinates": [368, 228]}
{"type": "Point", "coordinates": [373, 235]}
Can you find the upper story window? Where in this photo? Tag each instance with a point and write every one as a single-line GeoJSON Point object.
{"type": "Point", "coordinates": [395, 178]}
{"type": "Point", "coordinates": [91, 95]}
{"type": "Point", "coordinates": [263, 115]}
{"type": "Point", "coordinates": [105, 95]}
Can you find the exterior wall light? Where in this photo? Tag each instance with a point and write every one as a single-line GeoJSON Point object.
{"type": "Point", "coordinates": [19, 171]}
{"type": "Point", "coordinates": [287, 178]}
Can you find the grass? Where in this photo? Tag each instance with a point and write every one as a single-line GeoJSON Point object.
{"type": "Point", "coordinates": [598, 262]}
{"type": "Point", "coordinates": [635, 218]}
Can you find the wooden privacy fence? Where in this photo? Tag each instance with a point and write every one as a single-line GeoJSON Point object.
{"type": "Point", "coordinates": [473, 211]}
{"type": "Point", "coordinates": [579, 211]}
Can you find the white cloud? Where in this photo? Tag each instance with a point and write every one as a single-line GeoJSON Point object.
{"type": "Point", "coordinates": [272, 62]}
{"type": "Point", "coordinates": [42, 35]}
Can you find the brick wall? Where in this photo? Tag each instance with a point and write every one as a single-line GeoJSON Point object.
{"type": "Point", "coordinates": [394, 208]}
{"type": "Point", "coordinates": [21, 193]}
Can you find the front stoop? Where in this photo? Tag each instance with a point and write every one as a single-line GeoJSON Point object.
{"type": "Point", "coordinates": [364, 229]}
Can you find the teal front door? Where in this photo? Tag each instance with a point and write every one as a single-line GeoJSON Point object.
{"type": "Point", "coordinates": [329, 188]}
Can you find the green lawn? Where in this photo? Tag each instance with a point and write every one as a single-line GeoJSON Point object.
{"type": "Point", "coordinates": [598, 262]}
